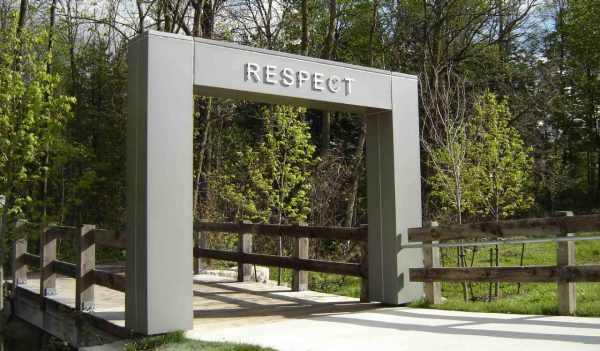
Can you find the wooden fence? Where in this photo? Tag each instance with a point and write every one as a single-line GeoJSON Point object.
{"type": "Point", "coordinates": [565, 273]}
{"type": "Point", "coordinates": [85, 238]}
{"type": "Point", "coordinates": [298, 262]}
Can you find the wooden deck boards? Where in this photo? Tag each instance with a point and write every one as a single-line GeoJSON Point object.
{"type": "Point", "coordinates": [219, 302]}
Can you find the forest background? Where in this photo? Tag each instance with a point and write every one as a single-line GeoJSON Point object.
{"type": "Point", "coordinates": [509, 110]}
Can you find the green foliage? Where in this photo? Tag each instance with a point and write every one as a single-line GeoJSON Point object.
{"type": "Point", "coordinates": [178, 342]}
{"type": "Point", "coordinates": [87, 177]}
{"type": "Point", "coordinates": [569, 127]}
{"type": "Point", "coordinates": [452, 182]}
{"type": "Point", "coordinates": [154, 342]}
{"type": "Point", "coordinates": [482, 167]}
{"type": "Point", "coordinates": [32, 114]}
{"type": "Point", "coordinates": [56, 344]}
{"type": "Point", "coordinates": [277, 167]}
{"type": "Point", "coordinates": [194, 345]}
{"type": "Point", "coordinates": [501, 164]}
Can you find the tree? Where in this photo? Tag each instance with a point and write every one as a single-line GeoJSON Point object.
{"type": "Point", "coordinates": [31, 117]}
{"type": "Point", "coordinates": [583, 77]}
{"type": "Point", "coordinates": [501, 162]}
{"type": "Point", "coordinates": [446, 146]}
{"type": "Point", "coordinates": [277, 166]}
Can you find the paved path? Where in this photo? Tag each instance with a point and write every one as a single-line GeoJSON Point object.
{"type": "Point", "coordinates": [401, 328]}
{"type": "Point", "coordinates": [225, 310]}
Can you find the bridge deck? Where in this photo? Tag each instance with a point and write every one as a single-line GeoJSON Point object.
{"type": "Point", "coordinates": [268, 315]}
{"type": "Point", "coordinates": [218, 302]}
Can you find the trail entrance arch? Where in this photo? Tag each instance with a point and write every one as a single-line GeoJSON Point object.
{"type": "Point", "coordinates": [165, 71]}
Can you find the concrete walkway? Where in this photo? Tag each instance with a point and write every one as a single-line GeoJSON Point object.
{"type": "Point", "coordinates": [401, 328]}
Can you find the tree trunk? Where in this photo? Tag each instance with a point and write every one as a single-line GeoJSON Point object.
{"type": "Point", "coordinates": [208, 18]}
{"type": "Point", "coordinates": [46, 162]}
{"type": "Point", "coordinates": [327, 53]}
{"type": "Point", "coordinates": [204, 116]}
{"type": "Point", "coordinates": [141, 17]}
{"type": "Point", "coordinates": [22, 16]}
{"type": "Point", "coordinates": [358, 158]}
{"type": "Point", "coordinates": [374, 16]}
{"type": "Point", "coordinates": [20, 24]}
{"type": "Point", "coordinates": [360, 142]}
{"type": "Point", "coordinates": [304, 35]}
{"type": "Point", "coordinates": [198, 9]}
{"type": "Point", "coordinates": [168, 24]}
{"type": "Point", "coordinates": [325, 133]}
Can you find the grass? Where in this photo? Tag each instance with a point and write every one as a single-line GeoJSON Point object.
{"type": "Point", "coordinates": [178, 342]}
{"type": "Point", "coordinates": [322, 282]}
{"type": "Point", "coordinates": [533, 298]}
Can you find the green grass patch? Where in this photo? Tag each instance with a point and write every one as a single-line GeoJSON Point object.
{"type": "Point", "coordinates": [322, 282]}
{"type": "Point", "coordinates": [530, 298]}
{"type": "Point", "coordinates": [178, 342]}
{"type": "Point", "coordinates": [194, 345]}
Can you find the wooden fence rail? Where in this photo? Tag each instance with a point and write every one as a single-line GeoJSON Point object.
{"type": "Point", "coordinates": [293, 230]}
{"type": "Point", "coordinates": [299, 262]}
{"type": "Point", "coordinates": [565, 273]}
{"type": "Point", "coordinates": [532, 227]}
{"type": "Point", "coordinates": [84, 270]}
{"type": "Point", "coordinates": [529, 274]}
{"type": "Point", "coordinates": [86, 237]}
{"type": "Point", "coordinates": [351, 269]}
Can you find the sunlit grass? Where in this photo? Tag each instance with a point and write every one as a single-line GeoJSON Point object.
{"type": "Point", "coordinates": [178, 342]}
{"type": "Point", "coordinates": [530, 298]}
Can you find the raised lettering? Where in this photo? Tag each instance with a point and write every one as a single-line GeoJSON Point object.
{"type": "Point", "coordinates": [333, 84]}
{"type": "Point", "coordinates": [317, 81]}
{"type": "Point", "coordinates": [252, 70]}
{"type": "Point", "coordinates": [269, 74]}
{"type": "Point", "coordinates": [287, 77]}
{"type": "Point", "coordinates": [348, 83]}
{"type": "Point", "coordinates": [302, 77]}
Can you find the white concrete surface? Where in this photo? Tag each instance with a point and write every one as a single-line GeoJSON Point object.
{"type": "Point", "coordinates": [164, 72]}
{"type": "Point", "coordinates": [400, 328]}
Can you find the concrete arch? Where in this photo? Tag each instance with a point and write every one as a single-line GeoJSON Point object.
{"type": "Point", "coordinates": [165, 71]}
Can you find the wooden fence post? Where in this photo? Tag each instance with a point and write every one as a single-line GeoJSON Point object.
{"type": "Point", "coordinates": [197, 265]}
{"type": "Point", "coordinates": [565, 255]}
{"type": "Point", "coordinates": [300, 278]}
{"type": "Point", "coordinates": [364, 266]}
{"type": "Point", "coordinates": [19, 268]}
{"type": "Point", "coordinates": [244, 246]}
{"type": "Point", "coordinates": [431, 259]}
{"type": "Point", "coordinates": [200, 241]}
{"type": "Point", "coordinates": [47, 258]}
{"type": "Point", "coordinates": [84, 270]}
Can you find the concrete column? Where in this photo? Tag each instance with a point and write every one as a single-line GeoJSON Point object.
{"type": "Point", "coordinates": [394, 194]}
{"type": "Point", "coordinates": [159, 184]}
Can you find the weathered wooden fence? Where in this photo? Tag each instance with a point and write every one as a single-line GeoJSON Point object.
{"type": "Point", "coordinates": [563, 227]}
{"type": "Point", "coordinates": [299, 262]}
{"type": "Point", "coordinates": [85, 238]}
